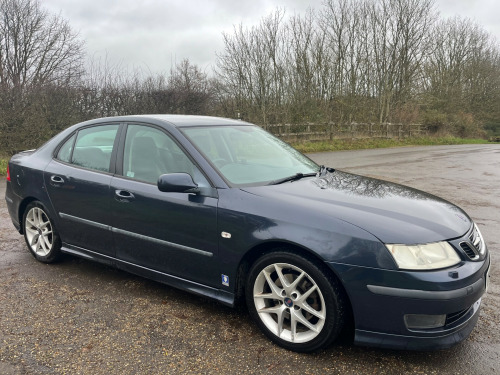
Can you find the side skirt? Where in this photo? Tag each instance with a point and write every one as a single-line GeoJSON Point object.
{"type": "Point", "coordinates": [222, 296]}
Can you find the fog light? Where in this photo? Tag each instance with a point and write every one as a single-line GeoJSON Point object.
{"type": "Point", "coordinates": [420, 321]}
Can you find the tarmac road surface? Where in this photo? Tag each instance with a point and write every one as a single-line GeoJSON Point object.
{"type": "Point", "coordinates": [78, 317]}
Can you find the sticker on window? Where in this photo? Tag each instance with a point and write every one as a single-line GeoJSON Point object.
{"type": "Point", "coordinates": [130, 174]}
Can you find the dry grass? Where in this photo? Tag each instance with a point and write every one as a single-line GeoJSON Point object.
{"type": "Point", "coordinates": [367, 143]}
{"type": "Point", "coordinates": [347, 144]}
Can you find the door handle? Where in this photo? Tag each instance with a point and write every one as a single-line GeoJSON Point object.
{"type": "Point", "coordinates": [123, 195]}
{"type": "Point", "coordinates": [57, 179]}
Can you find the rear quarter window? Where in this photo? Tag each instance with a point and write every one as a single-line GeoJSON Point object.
{"type": "Point", "coordinates": [66, 149]}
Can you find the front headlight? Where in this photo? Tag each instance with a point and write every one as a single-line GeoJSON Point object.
{"type": "Point", "coordinates": [424, 257]}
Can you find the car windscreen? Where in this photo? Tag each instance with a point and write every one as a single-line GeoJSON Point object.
{"type": "Point", "coordinates": [247, 155]}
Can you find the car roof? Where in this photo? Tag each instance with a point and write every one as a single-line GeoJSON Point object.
{"type": "Point", "coordinates": [179, 120]}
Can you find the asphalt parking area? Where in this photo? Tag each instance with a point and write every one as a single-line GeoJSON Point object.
{"type": "Point", "coordinates": [78, 317]}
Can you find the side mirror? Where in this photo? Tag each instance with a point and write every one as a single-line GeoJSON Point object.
{"type": "Point", "coordinates": [177, 183]}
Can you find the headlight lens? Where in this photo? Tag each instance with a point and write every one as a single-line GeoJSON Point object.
{"type": "Point", "coordinates": [424, 257]}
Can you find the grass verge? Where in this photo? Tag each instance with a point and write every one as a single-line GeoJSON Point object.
{"type": "Point", "coordinates": [3, 165]}
{"type": "Point", "coordinates": [348, 144]}
{"type": "Point", "coordinates": [366, 143]}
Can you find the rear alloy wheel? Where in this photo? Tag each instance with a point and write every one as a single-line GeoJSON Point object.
{"type": "Point", "coordinates": [294, 302]}
{"type": "Point", "coordinates": [40, 234]}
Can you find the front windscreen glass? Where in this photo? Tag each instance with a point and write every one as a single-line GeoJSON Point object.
{"type": "Point", "coordinates": [247, 155]}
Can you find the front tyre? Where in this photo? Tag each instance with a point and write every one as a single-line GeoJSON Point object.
{"type": "Point", "coordinates": [295, 303]}
{"type": "Point", "coordinates": [40, 234]}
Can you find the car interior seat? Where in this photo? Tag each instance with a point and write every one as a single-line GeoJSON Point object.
{"type": "Point", "coordinates": [144, 160]}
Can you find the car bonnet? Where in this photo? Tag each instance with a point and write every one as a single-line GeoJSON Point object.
{"type": "Point", "coordinates": [393, 213]}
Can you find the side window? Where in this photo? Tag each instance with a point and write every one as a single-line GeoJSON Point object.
{"type": "Point", "coordinates": [149, 153]}
{"type": "Point", "coordinates": [93, 147]}
{"type": "Point", "coordinates": [64, 153]}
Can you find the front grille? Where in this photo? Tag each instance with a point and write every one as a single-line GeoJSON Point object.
{"type": "Point", "coordinates": [477, 240]}
{"type": "Point", "coordinates": [475, 246]}
{"type": "Point", "coordinates": [469, 250]}
{"type": "Point", "coordinates": [452, 318]}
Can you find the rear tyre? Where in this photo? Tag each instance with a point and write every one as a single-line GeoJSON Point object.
{"type": "Point", "coordinates": [40, 234]}
{"type": "Point", "coordinates": [297, 304]}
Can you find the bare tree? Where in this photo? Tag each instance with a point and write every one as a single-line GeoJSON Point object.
{"type": "Point", "coordinates": [190, 89]}
{"type": "Point", "coordinates": [346, 38]}
{"type": "Point", "coordinates": [40, 66]}
{"type": "Point", "coordinates": [307, 69]}
{"type": "Point", "coordinates": [36, 48]}
{"type": "Point", "coordinates": [399, 38]}
{"type": "Point", "coordinates": [462, 76]}
{"type": "Point", "coordinates": [251, 68]}
{"type": "Point", "coordinates": [351, 61]}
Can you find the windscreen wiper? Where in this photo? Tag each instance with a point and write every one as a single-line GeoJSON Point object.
{"type": "Point", "coordinates": [295, 177]}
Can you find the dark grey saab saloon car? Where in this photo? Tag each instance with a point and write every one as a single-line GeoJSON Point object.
{"type": "Point", "coordinates": [223, 209]}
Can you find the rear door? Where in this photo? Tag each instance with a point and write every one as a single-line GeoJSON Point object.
{"type": "Point", "coordinates": [174, 233]}
{"type": "Point", "coordinates": [78, 184]}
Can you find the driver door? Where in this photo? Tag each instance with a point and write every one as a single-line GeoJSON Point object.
{"type": "Point", "coordinates": [173, 233]}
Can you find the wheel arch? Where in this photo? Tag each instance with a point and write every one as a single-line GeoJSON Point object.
{"type": "Point", "coordinates": [261, 249]}
{"type": "Point", "coordinates": [22, 208]}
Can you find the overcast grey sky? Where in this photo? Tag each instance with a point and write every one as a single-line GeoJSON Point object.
{"type": "Point", "coordinates": [150, 34]}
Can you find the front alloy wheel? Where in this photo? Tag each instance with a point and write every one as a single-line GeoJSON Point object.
{"type": "Point", "coordinates": [39, 232]}
{"type": "Point", "coordinates": [289, 302]}
{"type": "Point", "coordinates": [294, 302]}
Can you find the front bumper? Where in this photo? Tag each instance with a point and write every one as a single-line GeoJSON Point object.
{"type": "Point", "coordinates": [380, 300]}
{"type": "Point", "coordinates": [440, 339]}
